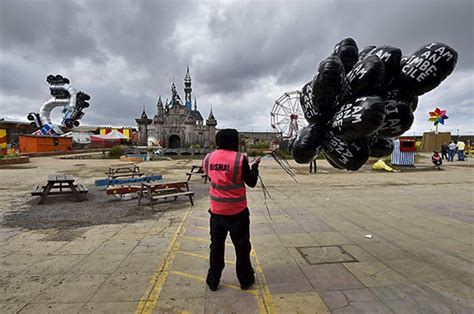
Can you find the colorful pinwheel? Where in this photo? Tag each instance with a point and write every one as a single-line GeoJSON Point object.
{"type": "Point", "coordinates": [438, 116]}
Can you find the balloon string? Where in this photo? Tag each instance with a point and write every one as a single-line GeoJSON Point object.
{"type": "Point", "coordinates": [287, 169]}
{"type": "Point", "coordinates": [265, 193]}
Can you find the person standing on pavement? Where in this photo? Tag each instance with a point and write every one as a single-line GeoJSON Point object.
{"type": "Point", "coordinates": [444, 151]}
{"type": "Point", "coordinates": [228, 171]}
{"type": "Point", "coordinates": [451, 150]}
{"type": "Point", "coordinates": [460, 147]}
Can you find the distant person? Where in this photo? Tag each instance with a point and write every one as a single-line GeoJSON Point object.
{"type": "Point", "coordinates": [436, 160]}
{"type": "Point", "coordinates": [460, 147]}
{"type": "Point", "coordinates": [451, 150]}
{"type": "Point", "coordinates": [444, 151]}
{"type": "Point", "coordinates": [467, 150]}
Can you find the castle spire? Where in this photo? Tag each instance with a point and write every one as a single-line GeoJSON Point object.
{"type": "Point", "coordinates": [211, 115]}
{"type": "Point", "coordinates": [195, 104]}
{"type": "Point", "coordinates": [187, 78]}
{"type": "Point", "coordinates": [187, 90]}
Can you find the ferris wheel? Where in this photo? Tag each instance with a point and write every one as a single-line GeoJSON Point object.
{"type": "Point", "coordinates": [287, 117]}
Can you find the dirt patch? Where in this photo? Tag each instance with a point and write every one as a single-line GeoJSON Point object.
{"type": "Point", "coordinates": [62, 213]}
{"type": "Point", "coordinates": [16, 167]}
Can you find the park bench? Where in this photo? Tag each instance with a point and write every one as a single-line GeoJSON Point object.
{"type": "Point", "coordinates": [57, 185]}
{"type": "Point", "coordinates": [156, 192]}
{"type": "Point", "coordinates": [197, 170]}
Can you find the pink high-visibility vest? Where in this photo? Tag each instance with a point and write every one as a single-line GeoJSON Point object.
{"type": "Point", "coordinates": [227, 191]}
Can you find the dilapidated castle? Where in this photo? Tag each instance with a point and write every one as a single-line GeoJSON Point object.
{"type": "Point", "coordinates": [177, 124]}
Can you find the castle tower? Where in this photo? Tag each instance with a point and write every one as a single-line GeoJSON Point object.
{"type": "Point", "coordinates": [211, 122]}
{"type": "Point", "coordinates": [187, 90]}
{"type": "Point", "coordinates": [143, 123]}
{"type": "Point", "coordinates": [159, 107]}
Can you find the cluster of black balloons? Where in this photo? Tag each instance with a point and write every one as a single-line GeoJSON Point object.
{"type": "Point", "coordinates": [359, 100]}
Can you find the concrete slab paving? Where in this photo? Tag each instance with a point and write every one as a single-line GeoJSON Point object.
{"type": "Point", "coordinates": [72, 288]}
{"type": "Point", "coordinates": [331, 277]}
{"type": "Point", "coordinates": [418, 260]}
{"type": "Point", "coordinates": [181, 305]}
{"type": "Point", "coordinates": [121, 287]}
{"type": "Point", "coordinates": [98, 264]}
{"type": "Point", "coordinates": [109, 307]}
{"type": "Point", "coordinates": [24, 288]}
{"type": "Point", "coordinates": [34, 308]}
{"type": "Point", "coordinates": [373, 274]}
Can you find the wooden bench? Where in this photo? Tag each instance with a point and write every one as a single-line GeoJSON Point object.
{"type": "Point", "coordinates": [38, 190]}
{"type": "Point", "coordinates": [156, 192]}
{"type": "Point", "coordinates": [123, 172]}
{"type": "Point", "coordinates": [197, 170]}
{"type": "Point", "coordinates": [57, 185]}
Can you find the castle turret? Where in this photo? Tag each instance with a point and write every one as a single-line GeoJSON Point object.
{"type": "Point", "coordinates": [211, 123]}
{"type": "Point", "coordinates": [143, 123]}
{"type": "Point", "coordinates": [211, 120]}
{"type": "Point", "coordinates": [159, 107]}
{"type": "Point", "coordinates": [187, 90]}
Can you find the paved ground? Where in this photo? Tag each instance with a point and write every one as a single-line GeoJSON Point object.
{"type": "Point", "coordinates": [311, 256]}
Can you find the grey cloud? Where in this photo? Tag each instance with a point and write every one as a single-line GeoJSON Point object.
{"type": "Point", "coordinates": [126, 53]}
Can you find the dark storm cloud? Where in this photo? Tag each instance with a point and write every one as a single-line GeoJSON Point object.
{"type": "Point", "coordinates": [289, 41]}
{"type": "Point", "coordinates": [243, 54]}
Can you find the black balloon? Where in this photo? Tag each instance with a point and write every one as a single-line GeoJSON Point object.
{"type": "Point", "coordinates": [306, 102]}
{"type": "Point", "coordinates": [391, 57]}
{"type": "Point", "coordinates": [398, 118]}
{"type": "Point", "coordinates": [396, 94]}
{"type": "Point", "coordinates": [350, 155]}
{"type": "Point", "coordinates": [365, 79]}
{"type": "Point", "coordinates": [307, 144]}
{"type": "Point", "coordinates": [359, 118]}
{"type": "Point", "coordinates": [380, 147]}
{"type": "Point", "coordinates": [412, 100]}
{"type": "Point", "coordinates": [327, 85]}
{"type": "Point", "coordinates": [427, 68]}
{"type": "Point", "coordinates": [348, 52]}
{"type": "Point", "coordinates": [365, 51]}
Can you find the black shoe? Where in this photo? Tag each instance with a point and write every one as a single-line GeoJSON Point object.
{"type": "Point", "coordinates": [247, 285]}
{"type": "Point", "coordinates": [212, 287]}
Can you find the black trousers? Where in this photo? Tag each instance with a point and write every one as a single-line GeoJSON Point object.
{"type": "Point", "coordinates": [239, 228]}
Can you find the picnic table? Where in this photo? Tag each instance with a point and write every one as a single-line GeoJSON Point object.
{"type": "Point", "coordinates": [197, 170]}
{"type": "Point", "coordinates": [59, 184]}
{"type": "Point", "coordinates": [158, 191]}
{"type": "Point", "coordinates": [124, 171]}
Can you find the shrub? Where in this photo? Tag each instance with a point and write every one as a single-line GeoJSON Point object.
{"type": "Point", "coordinates": [116, 151]}
{"type": "Point", "coordinates": [255, 152]}
{"type": "Point", "coordinates": [260, 145]}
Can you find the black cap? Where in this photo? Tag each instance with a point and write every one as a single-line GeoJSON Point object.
{"type": "Point", "coordinates": [228, 139]}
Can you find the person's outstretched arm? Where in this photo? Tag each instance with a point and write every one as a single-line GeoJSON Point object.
{"type": "Point", "coordinates": [250, 175]}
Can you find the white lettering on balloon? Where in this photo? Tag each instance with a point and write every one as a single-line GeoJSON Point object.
{"type": "Point", "coordinates": [422, 66]}
{"type": "Point", "coordinates": [359, 72]}
{"type": "Point", "coordinates": [383, 55]}
{"type": "Point", "coordinates": [308, 108]}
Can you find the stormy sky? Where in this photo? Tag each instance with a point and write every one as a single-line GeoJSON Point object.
{"type": "Point", "coordinates": [242, 54]}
